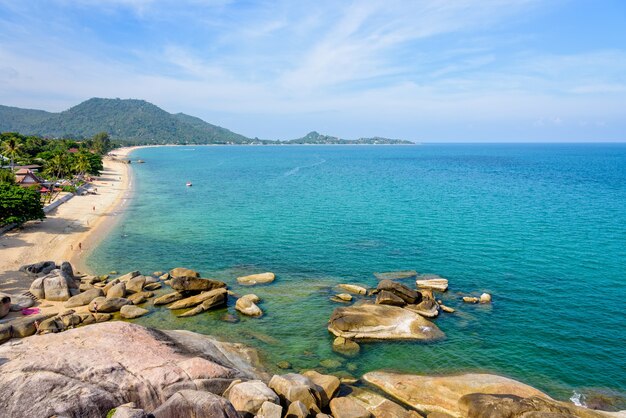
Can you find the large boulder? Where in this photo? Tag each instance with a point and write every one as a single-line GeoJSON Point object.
{"type": "Point", "coordinates": [87, 371]}
{"type": "Point", "coordinates": [346, 347]}
{"type": "Point", "coordinates": [406, 294]}
{"type": "Point", "coordinates": [385, 297]}
{"type": "Point", "coordinates": [126, 277]}
{"type": "Point", "coordinates": [43, 267]}
{"type": "Point", "coordinates": [379, 406]}
{"type": "Point", "coordinates": [480, 405]}
{"type": "Point", "coordinates": [253, 279]}
{"type": "Point", "coordinates": [428, 308]}
{"type": "Point", "coordinates": [84, 298]}
{"type": "Point", "coordinates": [396, 275]}
{"type": "Point", "coordinates": [6, 332]}
{"type": "Point", "coordinates": [194, 403]}
{"type": "Point", "coordinates": [248, 397]}
{"type": "Point", "coordinates": [247, 305]}
{"type": "Point", "coordinates": [135, 285]}
{"type": "Point", "coordinates": [26, 326]}
{"type": "Point", "coordinates": [168, 298]}
{"type": "Point", "coordinates": [327, 385]}
{"type": "Point", "coordinates": [36, 288]}
{"type": "Point", "coordinates": [270, 410]}
{"type": "Point", "coordinates": [217, 299]}
{"type": "Point", "coordinates": [56, 287]}
{"type": "Point", "coordinates": [117, 291]}
{"type": "Point", "coordinates": [433, 282]}
{"type": "Point", "coordinates": [442, 393]}
{"type": "Point", "coordinates": [108, 305]}
{"type": "Point", "coordinates": [132, 311]}
{"type": "Point", "coordinates": [217, 296]}
{"type": "Point", "coordinates": [183, 272]}
{"type": "Point", "coordinates": [67, 270]}
{"type": "Point", "coordinates": [292, 387]}
{"type": "Point", "coordinates": [195, 284]}
{"type": "Point", "coordinates": [381, 322]}
{"type": "Point", "coordinates": [353, 288]}
{"type": "Point", "coordinates": [19, 302]}
{"type": "Point", "coordinates": [5, 305]}
{"type": "Point", "coordinates": [348, 408]}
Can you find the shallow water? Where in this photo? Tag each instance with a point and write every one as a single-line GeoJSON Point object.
{"type": "Point", "coordinates": [541, 227]}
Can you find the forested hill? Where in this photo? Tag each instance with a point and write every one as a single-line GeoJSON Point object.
{"type": "Point", "coordinates": [133, 121]}
{"type": "Point", "coordinates": [129, 121]}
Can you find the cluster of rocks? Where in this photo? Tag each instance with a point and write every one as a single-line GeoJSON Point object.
{"type": "Point", "coordinates": [396, 313]}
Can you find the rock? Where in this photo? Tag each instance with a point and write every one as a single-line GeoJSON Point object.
{"type": "Point", "coordinates": [385, 297]}
{"type": "Point", "coordinates": [109, 285]}
{"type": "Point", "coordinates": [485, 298]}
{"type": "Point", "coordinates": [86, 319]}
{"type": "Point", "coordinates": [5, 305]}
{"type": "Point", "coordinates": [135, 285]}
{"type": "Point", "coordinates": [36, 288]}
{"type": "Point", "coordinates": [164, 276]}
{"type": "Point", "coordinates": [102, 317]}
{"type": "Point", "coordinates": [228, 317]}
{"type": "Point", "coordinates": [183, 272]}
{"type": "Point", "coordinates": [132, 312]}
{"type": "Point", "coordinates": [284, 365]}
{"type": "Point", "coordinates": [126, 277]}
{"type": "Point", "coordinates": [83, 287]}
{"type": "Point", "coordinates": [43, 267]}
{"type": "Point", "coordinates": [381, 322]}
{"type": "Point", "coordinates": [478, 405]}
{"type": "Point", "coordinates": [84, 298]}
{"type": "Point", "coordinates": [217, 299]}
{"type": "Point", "coordinates": [353, 288]}
{"type": "Point", "coordinates": [270, 410]}
{"type": "Point", "coordinates": [330, 363]}
{"type": "Point", "coordinates": [246, 305]}
{"type": "Point", "coordinates": [71, 321]}
{"type": "Point", "coordinates": [218, 296]}
{"type": "Point", "coordinates": [152, 286]}
{"type": "Point", "coordinates": [433, 282]}
{"type": "Point", "coordinates": [344, 296]}
{"type": "Point", "coordinates": [194, 403]}
{"type": "Point", "coordinates": [253, 279]}
{"type": "Point", "coordinates": [348, 408]}
{"type": "Point", "coordinates": [346, 347]}
{"type": "Point", "coordinates": [328, 385]}
{"type": "Point", "coordinates": [297, 410]}
{"type": "Point", "coordinates": [67, 270]}
{"type": "Point", "coordinates": [428, 308]}
{"type": "Point", "coordinates": [107, 305]}
{"type": "Point", "coordinates": [55, 287]}
{"type": "Point", "coordinates": [19, 302]}
{"type": "Point", "coordinates": [6, 332]}
{"type": "Point", "coordinates": [379, 406]}
{"type": "Point", "coordinates": [292, 387]}
{"type": "Point", "coordinates": [168, 298]}
{"type": "Point", "coordinates": [54, 324]}
{"type": "Point", "coordinates": [195, 284]}
{"type": "Point", "coordinates": [87, 371]}
{"type": "Point", "coordinates": [442, 393]}
{"type": "Point", "coordinates": [400, 290]}
{"type": "Point", "coordinates": [128, 412]}
{"type": "Point", "coordinates": [24, 327]}
{"type": "Point", "coordinates": [138, 298]}
{"type": "Point", "coordinates": [248, 397]}
{"type": "Point", "coordinates": [395, 275]}
{"type": "Point", "coordinates": [470, 299]}
{"type": "Point", "coordinates": [117, 291]}
{"type": "Point", "coordinates": [447, 308]}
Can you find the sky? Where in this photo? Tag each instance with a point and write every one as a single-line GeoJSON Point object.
{"type": "Point", "coordinates": [422, 70]}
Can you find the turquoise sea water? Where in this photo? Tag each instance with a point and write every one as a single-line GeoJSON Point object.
{"type": "Point", "coordinates": [540, 227]}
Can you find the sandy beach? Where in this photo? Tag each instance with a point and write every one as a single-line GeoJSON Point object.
{"type": "Point", "coordinates": [69, 232]}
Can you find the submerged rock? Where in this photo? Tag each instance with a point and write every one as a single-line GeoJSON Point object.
{"type": "Point", "coordinates": [470, 299]}
{"type": "Point", "coordinates": [381, 322]}
{"type": "Point", "coordinates": [261, 278]}
{"type": "Point", "coordinates": [442, 393]}
{"type": "Point", "coordinates": [345, 346]}
{"type": "Point", "coordinates": [344, 296]}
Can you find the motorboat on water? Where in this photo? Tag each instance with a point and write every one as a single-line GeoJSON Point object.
{"type": "Point", "coordinates": [189, 184]}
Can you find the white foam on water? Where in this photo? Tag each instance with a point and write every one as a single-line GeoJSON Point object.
{"type": "Point", "coordinates": [578, 399]}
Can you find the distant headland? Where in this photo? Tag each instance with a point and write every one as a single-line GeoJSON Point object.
{"type": "Point", "coordinates": [138, 122]}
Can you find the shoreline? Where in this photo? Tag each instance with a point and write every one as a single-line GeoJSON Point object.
{"type": "Point", "coordinates": [83, 220]}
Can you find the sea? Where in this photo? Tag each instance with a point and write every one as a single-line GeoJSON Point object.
{"type": "Point", "coordinates": [541, 227]}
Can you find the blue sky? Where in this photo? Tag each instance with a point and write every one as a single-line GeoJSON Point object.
{"type": "Point", "coordinates": [424, 70]}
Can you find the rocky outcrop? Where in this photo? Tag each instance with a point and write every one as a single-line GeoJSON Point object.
{"type": "Point", "coordinates": [84, 298]}
{"type": "Point", "coordinates": [117, 291]}
{"type": "Point", "coordinates": [217, 295]}
{"type": "Point", "coordinates": [87, 371]}
{"type": "Point", "coordinates": [249, 397]}
{"type": "Point", "coordinates": [247, 305]}
{"type": "Point", "coordinates": [433, 282]}
{"type": "Point", "coordinates": [195, 403]}
{"type": "Point", "coordinates": [403, 292]}
{"type": "Point", "coordinates": [381, 322]}
{"type": "Point", "coordinates": [442, 393]}
{"type": "Point", "coordinates": [135, 285]}
{"type": "Point", "coordinates": [57, 285]}
{"type": "Point", "coordinates": [195, 284]}
{"type": "Point", "coordinates": [261, 278]}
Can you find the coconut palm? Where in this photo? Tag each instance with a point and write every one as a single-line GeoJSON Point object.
{"type": "Point", "coordinates": [11, 148]}
{"type": "Point", "coordinates": [57, 165]}
{"type": "Point", "coordinates": [82, 164]}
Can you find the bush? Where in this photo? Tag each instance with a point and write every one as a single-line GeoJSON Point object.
{"type": "Point", "coordinates": [19, 204]}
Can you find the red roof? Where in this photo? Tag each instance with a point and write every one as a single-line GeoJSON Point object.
{"type": "Point", "coordinates": [72, 150]}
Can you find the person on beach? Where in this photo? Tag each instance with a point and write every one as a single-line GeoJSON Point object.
{"type": "Point", "coordinates": [80, 246]}
{"type": "Point", "coordinates": [94, 208]}
{"type": "Point", "coordinates": [71, 247]}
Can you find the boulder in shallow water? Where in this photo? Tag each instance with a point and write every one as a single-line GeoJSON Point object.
{"type": "Point", "coordinates": [108, 305]}
{"type": "Point", "coordinates": [433, 282]}
{"type": "Point", "coordinates": [396, 275]}
{"type": "Point", "coordinates": [354, 288]}
{"type": "Point", "coordinates": [183, 272]}
{"type": "Point", "coordinates": [195, 284]}
{"type": "Point", "coordinates": [381, 322]}
{"type": "Point", "coordinates": [168, 298]}
{"type": "Point", "coordinates": [216, 299]}
{"type": "Point", "coordinates": [406, 294]}
{"type": "Point", "coordinates": [261, 278]}
{"type": "Point", "coordinates": [428, 308]}
{"type": "Point", "coordinates": [442, 393]}
{"type": "Point", "coordinates": [485, 298]}
{"type": "Point", "coordinates": [346, 347]}
{"type": "Point", "coordinates": [344, 296]}
{"type": "Point", "coordinates": [117, 291]}
{"type": "Point", "coordinates": [84, 298]}
{"type": "Point", "coordinates": [470, 299]}
{"type": "Point", "coordinates": [135, 285]}
{"type": "Point", "coordinates": [132, 311]}
{"type": "Point", "coordinates": [218, 295]}
{"type": "Point", "coordinates": [126, 277]}
{"type": "Point", "coordinates": [385, 297]}
{"type": "Point", "coordinates": [247, 305]}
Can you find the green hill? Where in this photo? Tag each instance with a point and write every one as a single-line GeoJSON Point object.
{"type": "Point", "coordinates": [314, 138]}
{"type": "Point", "coordinates": [131, 121]}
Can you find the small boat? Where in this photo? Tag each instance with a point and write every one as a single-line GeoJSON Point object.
{"type": "Point", "coordinates": [189, 184]}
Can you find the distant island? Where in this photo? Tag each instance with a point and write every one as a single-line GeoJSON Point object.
{"type": "Point", "coordinates": [138, 122]}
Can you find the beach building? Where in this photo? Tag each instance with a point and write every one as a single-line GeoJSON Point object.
{"type": "Point", "coordinates": [26, 178]}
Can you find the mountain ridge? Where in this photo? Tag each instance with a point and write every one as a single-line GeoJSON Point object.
{"type": "Point", "coordinates": [136, 121]}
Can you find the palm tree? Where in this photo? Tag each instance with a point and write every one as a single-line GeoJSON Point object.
{"type": "Point", "coordinates": [11, 148]}
{"type": "Point", "coordinates": [57, 165]}
{"type": "Point", "coordinates": [82, 164]}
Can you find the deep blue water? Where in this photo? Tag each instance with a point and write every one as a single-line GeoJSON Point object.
{"type": "Point", "coordinates": [541, 227]}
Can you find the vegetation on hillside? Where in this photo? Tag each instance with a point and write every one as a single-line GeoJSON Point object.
{"type": "Point", "coordinates": [314, 138]}
{"type": "Point", "coordinates": [19, 204]}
